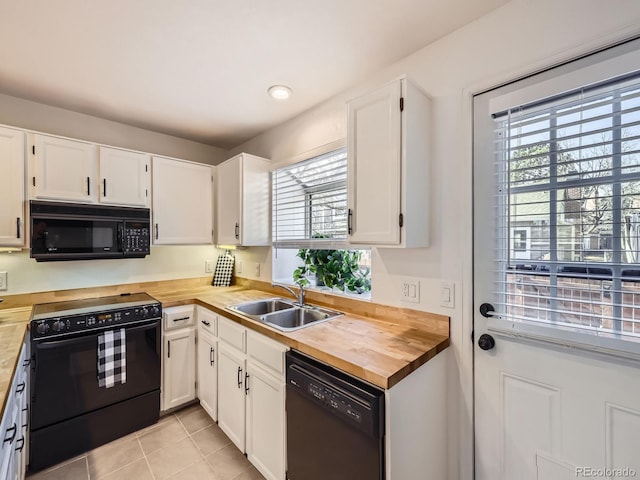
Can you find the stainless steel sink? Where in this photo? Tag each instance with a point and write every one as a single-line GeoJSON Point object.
{"type": "Point", "coordinates": [260, 307]}
{"type": "Point", "coordinates": [283, 315]}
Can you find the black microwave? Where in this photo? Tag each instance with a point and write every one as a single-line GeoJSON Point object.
{"type": "Point", "coordinates": [68, 231]}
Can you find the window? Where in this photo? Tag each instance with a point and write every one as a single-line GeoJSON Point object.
{"type": "Point", "coordinates": [310, 201]}
{"type": "Point", "coordinates": [309, 212]}
{"type": "Point", "coordinates": [569, 207]}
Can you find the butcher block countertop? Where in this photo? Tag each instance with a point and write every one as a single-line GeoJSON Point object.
{"type": "Point", "coordinates": [377, 343]}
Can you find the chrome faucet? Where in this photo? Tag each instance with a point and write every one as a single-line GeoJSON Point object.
{"type": "Point", "coordinates": [299, 296]}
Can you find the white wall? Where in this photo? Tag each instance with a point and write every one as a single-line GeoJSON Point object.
{"type": "Point", "coordinates": [164, 263]}
{"type": "Point", "coordinates": [520, 38]}
{"type": "Point", "coordinates": [30, 115]}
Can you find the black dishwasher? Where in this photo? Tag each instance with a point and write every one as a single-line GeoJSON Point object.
{"type": "Point", "coordinates": [335, 423]}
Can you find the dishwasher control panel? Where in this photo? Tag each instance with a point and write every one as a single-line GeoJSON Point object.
{"type": "Point", "coordinates": [335, 401]}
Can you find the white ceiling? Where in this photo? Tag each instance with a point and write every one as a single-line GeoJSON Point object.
{"type": "Point", "coordinates": [200, 69]}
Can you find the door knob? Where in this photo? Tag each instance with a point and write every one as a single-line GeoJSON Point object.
{"type": "Point", "coordinates": [486, 342]}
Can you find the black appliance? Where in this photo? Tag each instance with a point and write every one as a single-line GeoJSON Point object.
{"type": "Point", "coordinates": [335, 423]}
{"type": "Point", "coordinates": [70, 231]}
{"type": "Point", "coordinates": [70, 413]}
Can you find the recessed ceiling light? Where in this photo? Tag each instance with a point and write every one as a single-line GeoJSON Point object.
{"type": "Point", "coordinates": [279, 92]}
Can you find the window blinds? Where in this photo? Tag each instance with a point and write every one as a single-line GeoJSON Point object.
{"type": "Point", "coordinates": [568, 209]}
{"type": "Point", "coordinates": [310, 202]}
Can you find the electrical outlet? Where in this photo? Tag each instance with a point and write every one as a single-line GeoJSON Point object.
{"type": "Point", "coordinates": [239, 267]}
{"type": "Point", "coordinates": [3, 280]}
{"type": "Point", "coordinates": [410, 291]}
{"type": "Point", "coordinates": [208, 266]}
{"type": "Point", "coordinates": [257, 269]}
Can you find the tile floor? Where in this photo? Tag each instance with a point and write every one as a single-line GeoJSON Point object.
{"type": "Point", "coordinates": [185, 445]}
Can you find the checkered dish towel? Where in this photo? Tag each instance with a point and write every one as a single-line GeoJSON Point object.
{"type": "Point", "coordinates": [112, 358]}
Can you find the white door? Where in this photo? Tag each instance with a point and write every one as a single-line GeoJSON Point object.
{"type": "Point", "coordinates": [124, 177]}
{"type": "Point", "coordinates": [557, 358]}
{"type": "Point", "coordinates": [12, 148]}
{"type": "Point", "coordinates": [208, 373]}
{"type": "Point", "coordinates": [179, 367]}
{"type": "Point", "coordinates": [229, 195]}
{"type": "Point", "coordinates": [266, 422]}
{"type": "Point", "coordinates": [64, 170]}
{"type": "Point", "coordinates": [231, 396]}
{"type": "Point", "coordinates": [374, 158]}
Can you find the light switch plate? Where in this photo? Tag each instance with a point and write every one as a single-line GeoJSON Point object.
{"type": "Point", "coordinates": [3, 280]}
{"type": "Point", "coordinates": [257, 269]}
{"type": "Point", "coordinates": [239, 267]}
{"type": "Point", "coordinates": [447, 294]}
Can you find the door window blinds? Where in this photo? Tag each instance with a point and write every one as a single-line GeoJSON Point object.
{"type": "Point", "coordinates": [568, 207]}
{"type": "Point", "coordinates": [310, 202]}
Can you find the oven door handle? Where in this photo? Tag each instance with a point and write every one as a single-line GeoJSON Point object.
{"type": "Point", "coordinates": [44, 344]}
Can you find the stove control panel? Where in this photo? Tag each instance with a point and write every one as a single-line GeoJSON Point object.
{"type": "Point", "coordinates": [66, 324]}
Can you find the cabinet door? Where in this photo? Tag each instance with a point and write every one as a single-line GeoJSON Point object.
{"type": "Point", "coordinates": [124, 177]}
{"type": "Point", "coordinates": [231, 401]}
{"type": "Point", "coordinates": [12, 158]}
{"type": "Point", "coordinates": [179, 367]}
{"type": "Point", "coordinates": [266, 422]}
{"type": "Point", "coordinates": [228, 202]}
{"type": "Point", "coordinates": [182, 202]}
{"type": "Point", "coordinates": [374, 160]}
{"type": "Point", "coordinates": [64, 170]}
{"type": "Point", "coordinates": [208, 374]}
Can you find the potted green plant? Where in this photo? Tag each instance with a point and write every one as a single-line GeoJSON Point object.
{"type": "Point", "coordinates": [334, 269]}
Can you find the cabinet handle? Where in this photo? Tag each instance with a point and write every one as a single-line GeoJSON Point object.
{"type": "Point", "coordinates": [11, 438]}
{"type": "Point", "coordinates": [349, 219]}
{"type": "Point", "coordinates": [212, 359]}
{"type": "Point", "coordinates": [168, 348]}
{"type": "Point", "coordinates": [21, 444]}
{"type": "Point", "coordinates": [181, 319]}
{"type": "Point", "coordinates": [246, 383]}
{"type": "Point", "coordinates": [18, 227]}
{"type": "Point", "coordinates": [239, 377]}
{"type": "Point", "coordinates": [25, 425]}
{"type": "Point", "coordinates": [104, 187]}
{"type": "Point", "coordinates": [157, 231]}
{"type": "Point", "coordinates": [237, 231]}
{"type": "Point", "coordinates": [204, 322]}
{"type": "Point", "coordinates": [20, 387]}
{"type": "Point", "coordinates": [88, 186]}
{"type": "Point", "coordinates": [26, 363]}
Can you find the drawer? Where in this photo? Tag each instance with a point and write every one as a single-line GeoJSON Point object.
{"type": "Point", "coordinates": [178, 317]}
{"type": "Point", "coordinates": [207, 320]}
{"type": "Point", "coordinates": [266, 352]}
{"type": "Point", "coordinates": [231, 333]}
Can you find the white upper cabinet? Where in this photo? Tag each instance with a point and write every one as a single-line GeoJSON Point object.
{"type": "Point", "coordinates": [388, 159]}
{"type": "Point", "coordinates": [182, 202]}
{"type": "Point", "coordinates": [124, 177]}
{"type": "Point", "coordinates": [68, 170]}
{"type": "Point", "coordinates": [64, 170]}
{"type": "Point", "coordinates": [12, 194]}
{"type": "Point", "coordinates": [243, 201]}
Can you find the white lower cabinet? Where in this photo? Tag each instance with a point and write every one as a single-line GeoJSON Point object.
{"type": "Point", "coordinates": [207, 361]}
{"type": "Point", "coordinates": [231, 395]}
{"type": "Point", "coordinates": [179, 366]}
{"type": "Point", "coordinates": [251, 396]}
{"type": "Point", "coordinates": [14, 423]}
{"type": "Point", "coordinates": [265, 428]}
